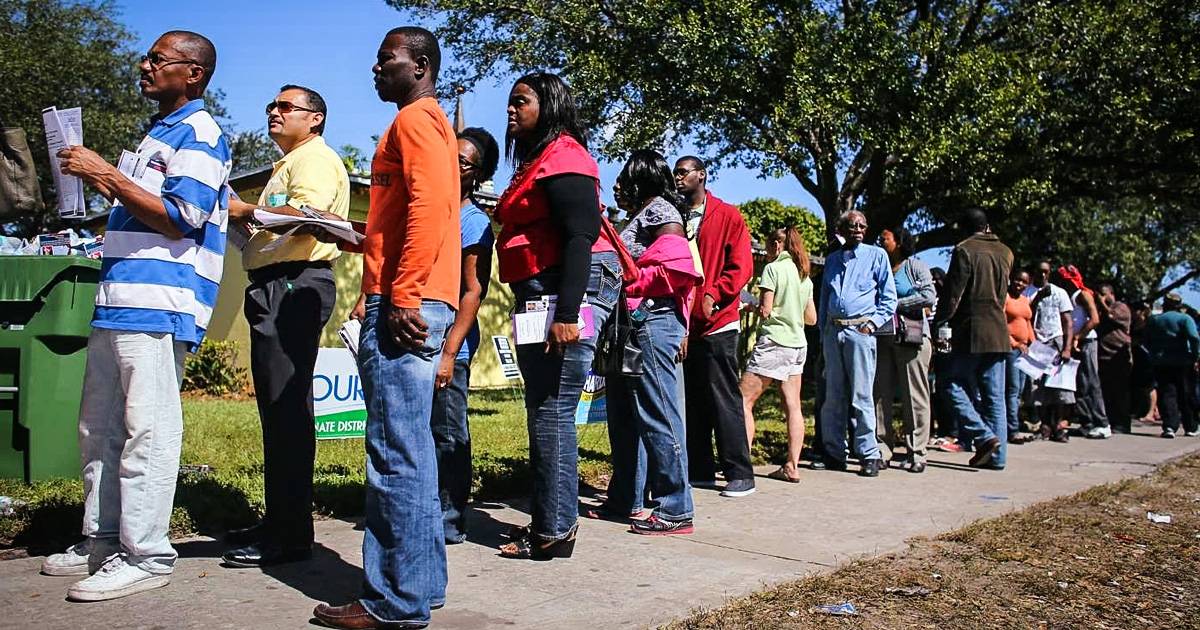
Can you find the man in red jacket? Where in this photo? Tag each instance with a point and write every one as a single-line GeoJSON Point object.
{"type": "Point", "coordinates": [714, 402]}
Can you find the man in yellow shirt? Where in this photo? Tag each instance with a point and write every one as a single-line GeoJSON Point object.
{"type": "Point", "coordinates": [290, 297]}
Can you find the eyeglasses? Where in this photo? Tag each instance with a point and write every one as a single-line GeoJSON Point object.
{"type": "Point", "coordinates": [287, 107]}
{"type": "Point", "coordinates": [158, 62]}
{"type": "Point", "coordinates": [680, 173]}
{"type": "Point", "coordinates": [466, 165]}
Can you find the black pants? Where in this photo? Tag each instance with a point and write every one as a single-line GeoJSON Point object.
{"type": "Point", "coordinates": [287, 305]}
{"type": "Point", "coordinates": [1115, 375]}
{"type": "Point", "coordinates": [1176, 396]}
{"type": "Point", "coordinates": [714, 404]}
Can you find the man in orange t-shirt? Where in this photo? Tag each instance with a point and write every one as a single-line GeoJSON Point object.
{"type": "Point", "coordinates": [410, 285]}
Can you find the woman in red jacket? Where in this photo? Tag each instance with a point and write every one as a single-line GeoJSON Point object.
{"type": "Point", "coordinates": [553, 253]}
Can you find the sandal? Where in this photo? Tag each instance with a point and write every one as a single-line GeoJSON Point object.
{"type": "Point", "coordinates": [780, 474]}
{"type": "Point", "coordinates": [603, 513]}
{"type": "Point", "coordinates": [529, 548]}
{"type": "Point", "coordinates": [517, 531]}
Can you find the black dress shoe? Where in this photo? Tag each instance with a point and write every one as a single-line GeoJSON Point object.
{"type": "Point", "coordinates": [246, 535]}
{"type": "Point", "coordinates": [263, 554]}
{"type": "Point", "coordinates": [916, 467]}
{"type": "Point", "coordinates": [823, 464]}
{"type": "Point", "coordinates": [983, 452]}
{"type": "Point", "coordinates": [870, 468]}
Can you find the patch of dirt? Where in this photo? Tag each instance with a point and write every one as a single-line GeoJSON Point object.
{"type": "Point", "coordinates": [1091, 560]}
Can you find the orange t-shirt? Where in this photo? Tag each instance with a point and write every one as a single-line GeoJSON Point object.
{"type": "Point", "coordinates": [1019, 315]}
{"type": "Point", "coordinates": [413, 250]}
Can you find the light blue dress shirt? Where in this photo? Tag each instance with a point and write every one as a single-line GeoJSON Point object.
{"type": "Point", "coordinates": [857, 283]}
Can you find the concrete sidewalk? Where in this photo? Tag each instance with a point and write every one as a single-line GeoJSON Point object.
{"type": "Point", "coordinates": [616, 579]}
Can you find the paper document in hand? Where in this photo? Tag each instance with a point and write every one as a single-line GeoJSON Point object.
{"type": "Point", "coordinates": [64, 129]}
{"type": "Point", "coordinates": [1038, 360]}
{"type": "Point", "coordinates": [349, 332]}
{"type": "Point", "coordinates": [1063, 375]}
{"type": "Point", "coordinates": [533, 325]}
{"type": "Point", "coordinates": [339, 229]}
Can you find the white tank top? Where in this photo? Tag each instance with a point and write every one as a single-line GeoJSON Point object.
{"type": "Point", "coordinates": [1079, 316]}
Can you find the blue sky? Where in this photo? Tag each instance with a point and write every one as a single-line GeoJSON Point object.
{"type": "Point", "coordinates": [330, 47]}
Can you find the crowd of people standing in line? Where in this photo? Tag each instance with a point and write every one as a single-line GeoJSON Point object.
{"type": "Point", "coordinates": [675, 272]}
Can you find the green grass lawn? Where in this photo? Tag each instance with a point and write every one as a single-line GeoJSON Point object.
{"type": "Point", "coordinates": [224, 434]}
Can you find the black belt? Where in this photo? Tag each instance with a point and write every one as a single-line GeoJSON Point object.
{"type": "Point", "coordinates": [286, 269]}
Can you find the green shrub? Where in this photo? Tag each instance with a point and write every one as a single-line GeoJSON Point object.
{"type": "Point", "coordinates": [213, 369]}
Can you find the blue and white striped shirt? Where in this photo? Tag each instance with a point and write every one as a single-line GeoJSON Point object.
{"type": "Point", "coordinates": [152, 283]}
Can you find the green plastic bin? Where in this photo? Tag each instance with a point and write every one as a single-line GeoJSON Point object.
{"type": "Point", "coordinates": [46, 305]}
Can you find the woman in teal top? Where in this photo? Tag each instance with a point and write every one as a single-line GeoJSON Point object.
{"type": "Point", "coordinates": [786, 306]}
{"type": "Point", "coordinates": [900, 366]}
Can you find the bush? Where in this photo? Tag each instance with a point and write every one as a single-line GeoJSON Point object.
{"type": "Point", "coordinates": [213, 369]}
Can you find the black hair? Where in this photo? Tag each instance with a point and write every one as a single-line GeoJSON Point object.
{"type": "Point", "coordinates": [645, 176]}
{"type": "Point", "coordinates": [975, 220]}
{"type": "Point", "coordinates": [314, 101]}
{"type": "Point", "coordinates": [557, 114]}
{"type": "Point", "coordinates": [700, 165]}
{"type": "Point", "coordinates": [199, 50]}
{"type": "Point", "coordinates": [489, 152]}
{"type": "Point", "coordinates": [421, 43]}
{"type": "Point", "coordinates": [906, 243]}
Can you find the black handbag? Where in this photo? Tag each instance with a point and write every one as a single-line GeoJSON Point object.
{"type": "Point", "coordinates": [617, 350]}
{"type": "Point", "coordinates": [910, 331]}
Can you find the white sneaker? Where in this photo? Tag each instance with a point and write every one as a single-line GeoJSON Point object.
{"type": "Point", "coordinates": [79, 559]}
{"type": "Point", "coordinates": [1098, 433]}
{"type": "Point", "coordinates": [1191, 433]}
{"type": "Point", "coordinates": [117, 578]}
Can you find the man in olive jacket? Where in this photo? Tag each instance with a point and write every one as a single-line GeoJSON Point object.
{"type": "Point", "coordinates": [972, 303]}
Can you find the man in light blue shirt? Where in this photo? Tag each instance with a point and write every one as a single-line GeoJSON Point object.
{"type": "Point", "coordinates": [858, 296]}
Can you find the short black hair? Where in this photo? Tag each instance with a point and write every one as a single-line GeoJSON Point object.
{"type": "Point", "coordinates": [489, 151]}
{"type": "Point", "coordinates": [700, 165]}
{"type": "Point", "coordinates": [906, 243]}
{"type": "Point", "coordinates": [421, 43]}
{"type": "Point", "coordinates": [314, 101]}
{"type": "Point", "coordinates": [199, 50]}
{"type": "Point", "coordinates": [557, 114]}
{"type": "Point", "coordinates": [975, 220]}
{"type": "Point", "coordinates": [646, 175]}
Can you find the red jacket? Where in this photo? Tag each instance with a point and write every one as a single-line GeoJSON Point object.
{"type": "Point", "coordinates": [724, 244]}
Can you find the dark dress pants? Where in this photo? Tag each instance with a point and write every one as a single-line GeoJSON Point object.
{"type": "Point", "coordinates": [714, 405]}
{"type": "Point", "coordinates": [1115, 374]}
{"type": "Point", "coordinates": [1175, 396]}
{"type": "Point", "coordinates": [287, 305]}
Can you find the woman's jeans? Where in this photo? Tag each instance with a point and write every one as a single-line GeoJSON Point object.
{"type": "Point", "coordinates": [404, 551]}
{"type": "Point", "coordinates": [645, 410]}
{"type": "Point", "coordinates": [1014, 386]}
{"type": "Point", "coordinates": [553, 385]}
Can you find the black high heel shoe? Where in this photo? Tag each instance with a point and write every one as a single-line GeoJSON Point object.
{"type": "Point", "coordinates": [529, 547]}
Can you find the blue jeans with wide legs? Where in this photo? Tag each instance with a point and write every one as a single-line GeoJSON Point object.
{"type": "Point", "coordinates": [404, 552]}
{"type": "Point", "coordinates": [1013, 387]}
{"type": "Point", "coordinates": [452, 442]}
{"type": "Point", "coordinates": [646, 410]}
{"type": "Point", "coordinates": [849, 393]}
{"type": "Point", "coordinates": [553, 385]}
{"type": "Point", "coordinates": [977, 392]}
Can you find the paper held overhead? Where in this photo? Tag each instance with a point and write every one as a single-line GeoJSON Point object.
{"type": "Point", "coordinates": [64, 129]}
{"type": "Point", "coordinates": [273, 221]}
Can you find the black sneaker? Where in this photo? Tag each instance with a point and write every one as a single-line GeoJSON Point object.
{"type": "Point", "coordinates": [738, 488]}
{"type": "Point", "coordinates": [655, 526]}
{"type": "Point", "coordinates": [1168, 434]}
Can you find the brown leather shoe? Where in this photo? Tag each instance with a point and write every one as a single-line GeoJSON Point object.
{"type": "Point", "coordinates": [352, 615]}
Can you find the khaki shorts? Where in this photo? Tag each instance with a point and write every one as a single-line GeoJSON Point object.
{"type": "Point", "coordinates": [772, 360]}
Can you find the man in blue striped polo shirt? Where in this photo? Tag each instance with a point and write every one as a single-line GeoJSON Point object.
{"type": "Point", "coordinates": [163, 256]}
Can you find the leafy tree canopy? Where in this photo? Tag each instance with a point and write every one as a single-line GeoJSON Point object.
{"type": "Point", "coordinates": [765, 215]}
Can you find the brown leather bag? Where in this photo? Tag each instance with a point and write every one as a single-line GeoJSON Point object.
{"type": "Point", "coordinates": [19, 192]}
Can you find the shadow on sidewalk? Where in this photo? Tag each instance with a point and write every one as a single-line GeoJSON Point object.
{"type": "Point", "coordinates": [327, 577]}
{"type": "Point", "coordinates": [486, 530]}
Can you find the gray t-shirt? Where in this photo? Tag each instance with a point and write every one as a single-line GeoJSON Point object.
{"type": "Point", "coordinates": [1047, 318]}
{"type": "Point", "coordinates": [639, 233]}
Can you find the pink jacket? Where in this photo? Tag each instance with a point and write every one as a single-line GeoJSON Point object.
{"type": "Point", "coordinates": [666, 269]}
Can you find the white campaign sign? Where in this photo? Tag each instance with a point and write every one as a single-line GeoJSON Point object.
{"type": "Point", "coordinates": [338, 400]}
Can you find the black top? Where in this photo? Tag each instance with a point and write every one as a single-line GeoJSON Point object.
{"type": "Point", "coordinates": [575, 210]}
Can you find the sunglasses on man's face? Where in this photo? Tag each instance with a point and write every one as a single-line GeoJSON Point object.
{"type": "Point", "coordinates": [287, 107]}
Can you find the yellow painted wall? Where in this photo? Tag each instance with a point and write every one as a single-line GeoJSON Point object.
{"type": "Point", "coordinates": [228, 322]}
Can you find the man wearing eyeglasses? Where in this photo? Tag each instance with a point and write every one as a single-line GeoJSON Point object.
{"type": "Point", "coordinates": [163, 258]}
{"type": "Point", "coordinates": [858, 296]}
{"type": "Point", "coordinates": [721, 242]}
{"type": "Point", "coordinates": [290, 297]}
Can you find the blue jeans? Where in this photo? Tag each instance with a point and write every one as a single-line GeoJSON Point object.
{"type": "Point", "coordinates": [849, 393]}
{"type": "Point", "coordinates": [404, 551]}
{"type": "Point", "coordinates": [452, 442]}
{"type": "Point", "coordinates": [976, 390]}
{"type": "Point", "coordinates": [645, 410]}
{"type": "Point", "coordinates": [553, 385]}
{"type": "Point", "coordinates": [1014, 386]}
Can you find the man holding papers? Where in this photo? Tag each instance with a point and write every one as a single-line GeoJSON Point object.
{"type": "Point", "coordinates": [290, 297]}
{"type": "Point", "coordinates": [163, 257]}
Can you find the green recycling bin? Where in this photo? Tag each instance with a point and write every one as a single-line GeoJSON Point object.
{"type": "Point", "coordinates": [46, 305]}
